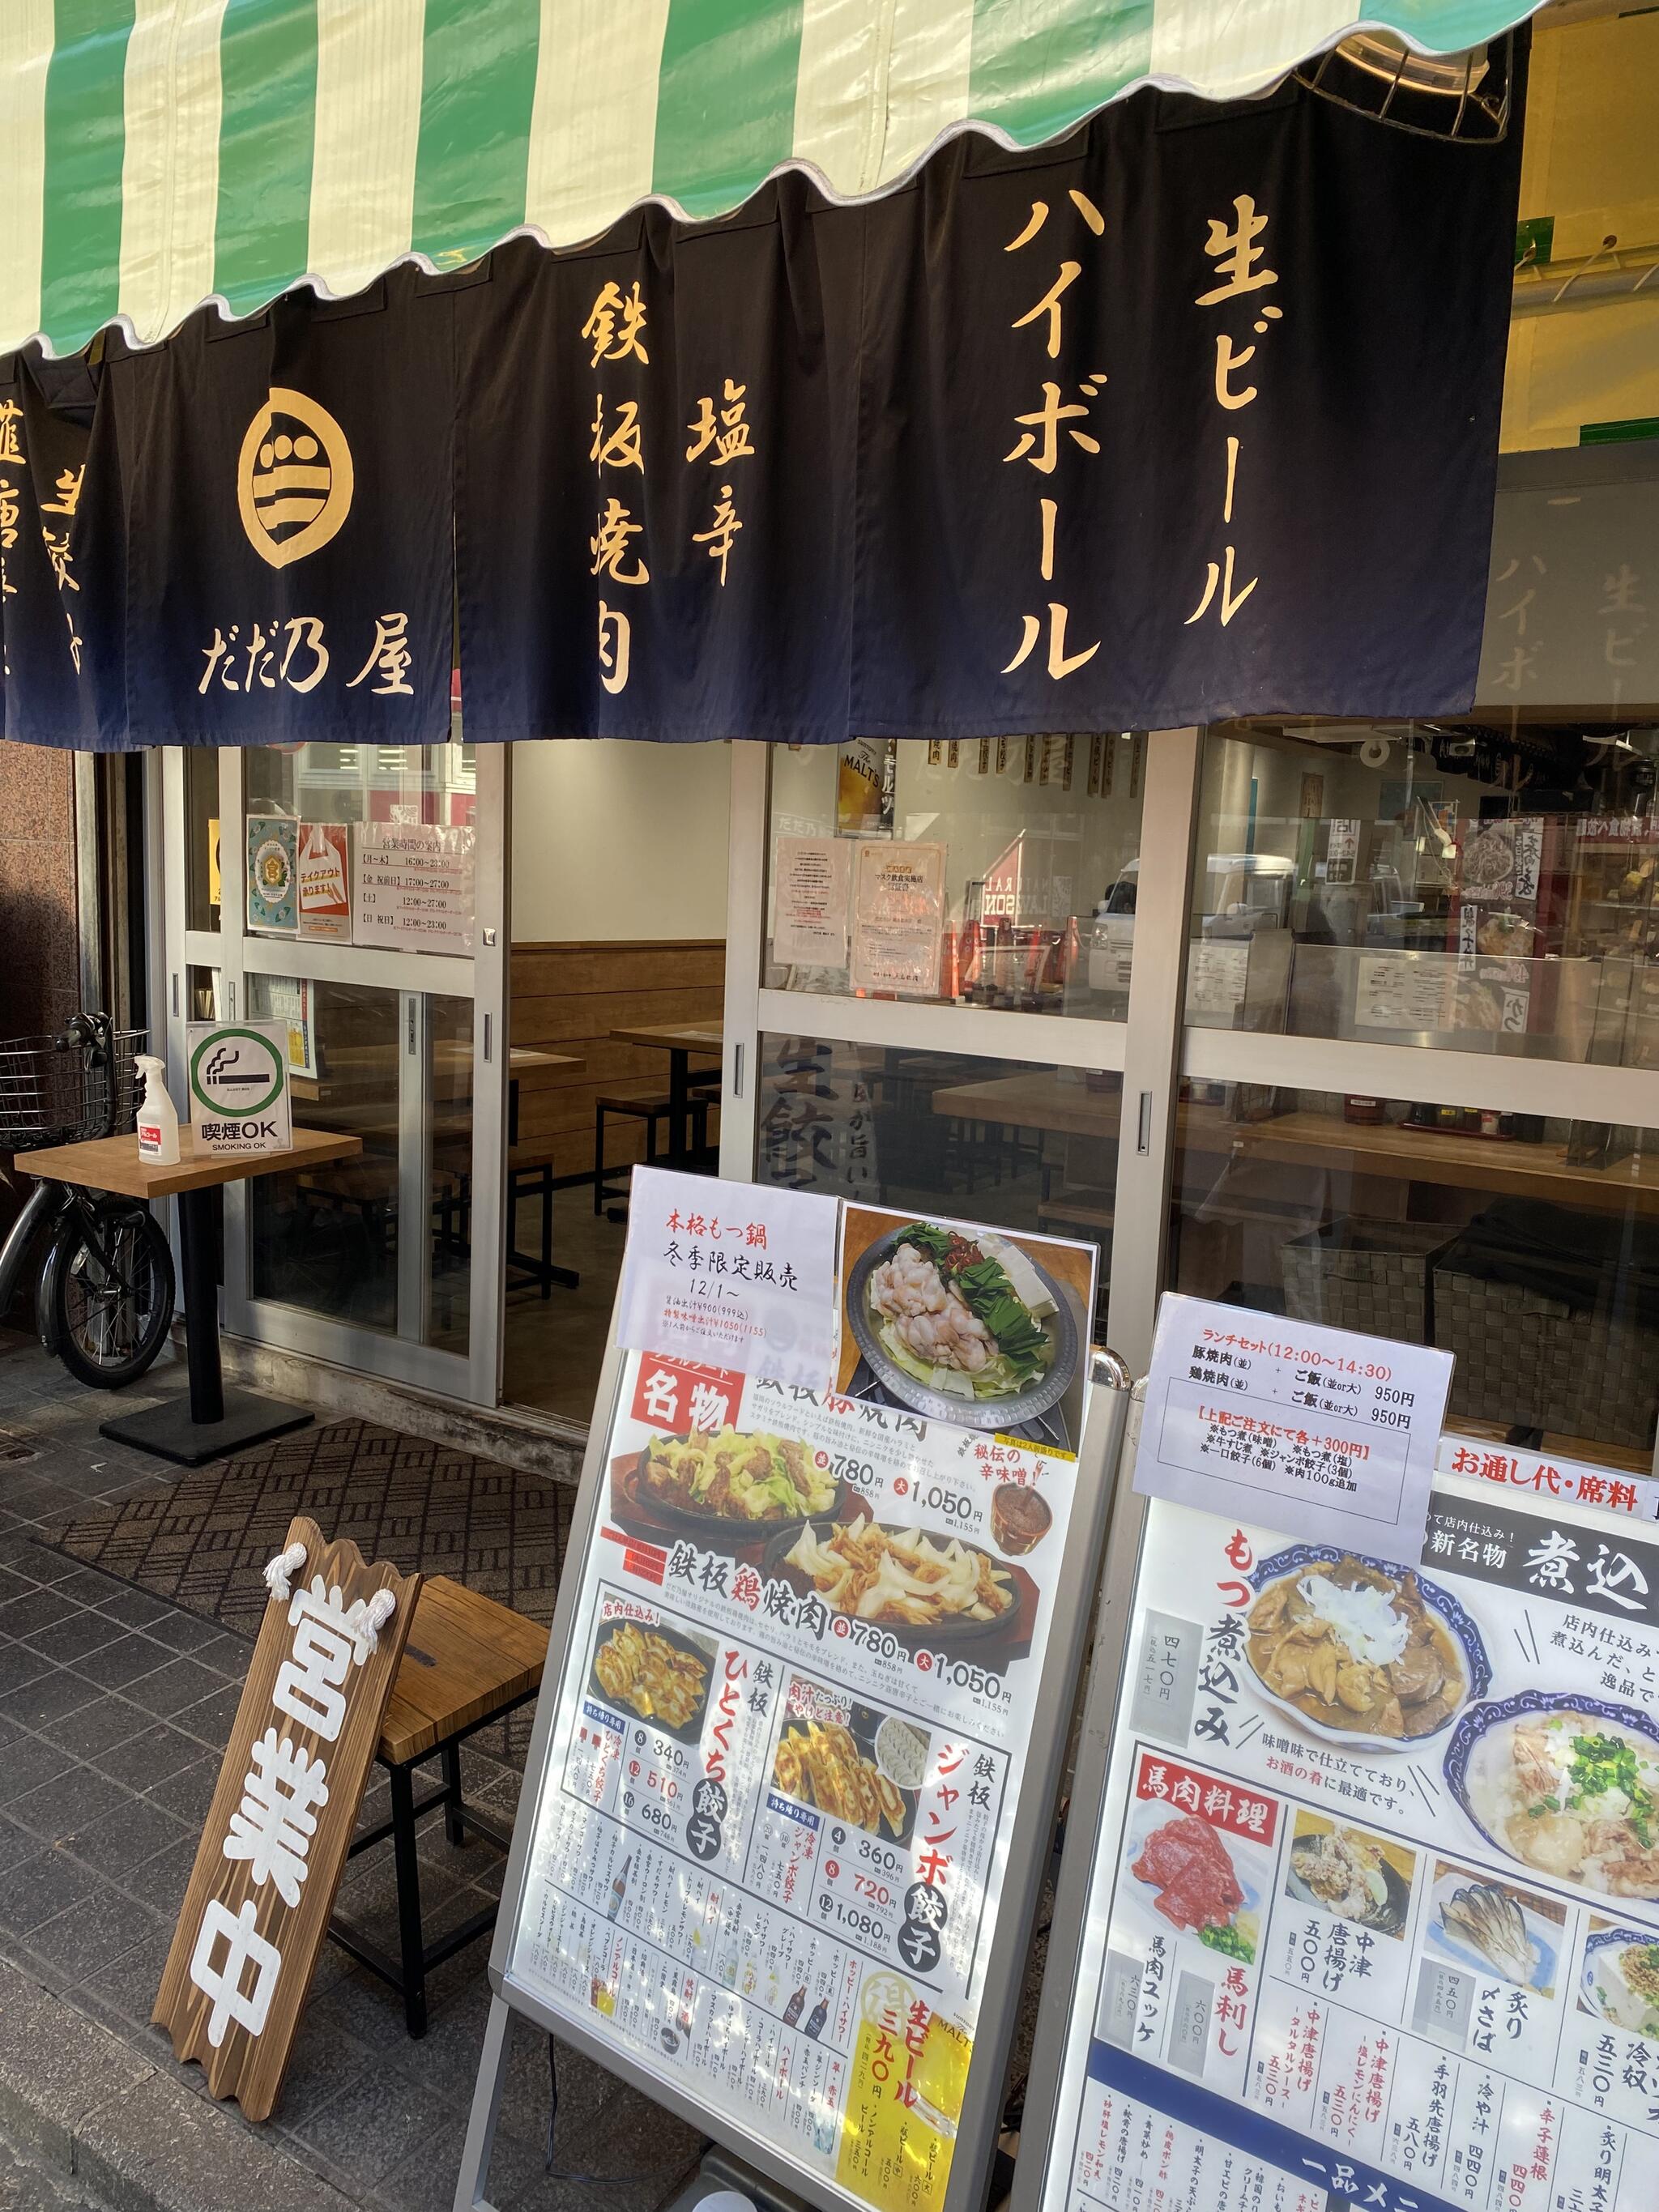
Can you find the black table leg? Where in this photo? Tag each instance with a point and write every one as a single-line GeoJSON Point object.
{"type": "Point", "coordinates": [454, 1825]}
{"type": "Point", "coordinates": [679, 1068]}
{"type": "Point", "coordinates": [206, 1421]}
{"type": "Point", "coordinates": [196, 1244]}
{"type": "Point", "coordinates": [512, 1110]}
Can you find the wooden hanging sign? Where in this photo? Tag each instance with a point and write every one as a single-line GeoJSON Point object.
{"type": "Point", "coordinates": [276, 1837]}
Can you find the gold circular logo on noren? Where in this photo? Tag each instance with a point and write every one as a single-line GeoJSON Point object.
{"type": "Point", "coordinates": [294, 477]}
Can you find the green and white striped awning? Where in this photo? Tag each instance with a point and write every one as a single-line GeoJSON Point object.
{"type": "Point", "coordinates": [159, 153]}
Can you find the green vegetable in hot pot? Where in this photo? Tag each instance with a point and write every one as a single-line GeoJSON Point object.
{"type": "Point", "coordinates": [960, 1318]}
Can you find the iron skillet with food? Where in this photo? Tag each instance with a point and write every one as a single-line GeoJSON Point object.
{"type": "Point", "coordinates": [655, 1673]}
{"type": "Point", "coordinates": [965, 1329]}
{"type": "Point", "coordinates": [925, 1588]}
{"type": "Point", "coordinates": [732, 1482]}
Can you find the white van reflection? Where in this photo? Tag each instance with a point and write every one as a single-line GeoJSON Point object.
{"type": "Point", "coordinates": [1243, 892]}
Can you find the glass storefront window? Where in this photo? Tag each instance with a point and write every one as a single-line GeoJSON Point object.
{"type": "Point", "coordinates": [202, 891]}
{"type": "Point", "coordinates": [986, 871]}
{"type": "Point", "coordinates": [313, 806]}
{"type": "Point", "coordinates": [1475, 890]}
{"type": "Point", "coordinates": [202, 1000]}
{"type": "Point", "coordinates": [325, 1239]}
{"type": "Point", "coordinates": [449, 1027]}
{"type": "Point", "coordinates": [328, 1239]}
{"type": "Point", "coordinates": [1004, 1141]}
{"type": "Point", "coordinates": [1529, 1248]}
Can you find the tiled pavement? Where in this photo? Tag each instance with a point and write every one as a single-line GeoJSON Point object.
{"type": "Point", "coordinates": [114, 1710]}
{"type": "Point", "coordinates": [27, 2186]}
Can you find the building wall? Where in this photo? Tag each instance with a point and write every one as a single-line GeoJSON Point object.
{"type": "Point", "coordinates": [1589, 164]}
{"type": "Point", "coordinates": [39, 973]}
{"type": "Point", "coordinates": [40, 950]}
{"type": "Point", "coordinates": [616, 842]}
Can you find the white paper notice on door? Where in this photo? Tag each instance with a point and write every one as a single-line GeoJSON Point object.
{"type": "Point", "coordinates": [1321, 1430]}
{"type": "Point", "coordinates": [414, 886]}
{"type": "Point", "coordinates": [812, 880]}
{"type": "Point", "coordinates": [898, 919]}
{"type": "Point", "coordinates": [1404, 990]}
{"type": "Point", "coordinates": [731, 1274]}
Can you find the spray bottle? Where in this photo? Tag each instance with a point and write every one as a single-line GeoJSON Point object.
{"type": "Point", "coordinates": [158, 1118]}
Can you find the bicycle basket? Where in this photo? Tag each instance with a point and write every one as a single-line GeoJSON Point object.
{"type": "Point", "coordinates": [57, 1091]}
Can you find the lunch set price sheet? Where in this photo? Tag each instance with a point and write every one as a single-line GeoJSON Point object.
{"type": "Point", "coordinates": [1374, 1914]}
{"type": "Point", "coordinates": [787, 1748]}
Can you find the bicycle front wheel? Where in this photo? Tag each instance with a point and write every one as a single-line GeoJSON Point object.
{"type": "Point", "coordinates": [111, 1294]}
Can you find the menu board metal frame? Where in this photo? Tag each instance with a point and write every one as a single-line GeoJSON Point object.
{"type": "Point", "coordinates": [1505, 1545]}
{"type": "Point", "coordinates": [1030, 1840]}
{"type": "Point", "coordinates": [1076, 1864]}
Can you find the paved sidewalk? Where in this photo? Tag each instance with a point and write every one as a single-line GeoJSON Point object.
{"type": "Point", "coordinates": [27, 2185]}
{"type": "Point", "coordinates": [114, 1710]}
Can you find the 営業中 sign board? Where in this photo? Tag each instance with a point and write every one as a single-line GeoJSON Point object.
{"type": "Point", "coordinates": [1321, 1429]}
{"type": "Point", "coordinates": [1363, 1909]}
{"type": "Point", "coordinates": [278, 1831]}
{"type": "Point", "coordinates": [790, 1794]}
{"type": "Point", "coordinates": [239, 1095]}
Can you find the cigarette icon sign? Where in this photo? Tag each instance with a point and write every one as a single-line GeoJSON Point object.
{"type": "Point", "coordinates": [226, 1068]}
{"type": "Point", "coordinates": [237, 1073]}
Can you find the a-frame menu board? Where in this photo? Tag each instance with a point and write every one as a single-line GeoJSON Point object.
{"type": "Point", "coordinates": [791, 1792]}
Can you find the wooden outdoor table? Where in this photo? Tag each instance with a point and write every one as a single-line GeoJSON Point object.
{"type": "Point", "coordinates": [679, 1040]}
{"type": "Point", "coordinates": [468, 1663]}
{"type": "Point", "coordinates": [1503, 1167]}
{"type": "Point", "coordinates": [207, 1421]}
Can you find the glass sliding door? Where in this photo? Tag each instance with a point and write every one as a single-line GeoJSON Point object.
{"type": "Point", "coordinates": [389, 1262]}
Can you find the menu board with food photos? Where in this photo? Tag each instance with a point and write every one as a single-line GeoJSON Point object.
{"type": "Point", "coordinates": [1368, 1913]}
{"type": "Point", "coordinates": [792, 1790]}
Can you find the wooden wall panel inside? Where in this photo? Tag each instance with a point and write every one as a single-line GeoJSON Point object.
{"type": "Point", "coordinates": [568, 998]}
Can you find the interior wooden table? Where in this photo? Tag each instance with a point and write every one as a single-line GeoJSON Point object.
{"type": "Point", "coordinates": [679, 1040]}
{"type": "Point", "coordinates": [350, 1065]}
{"type": "Point", "coordinates": [1504, 1167]}
{"type": "Point", "coordinates": [206, 1421]}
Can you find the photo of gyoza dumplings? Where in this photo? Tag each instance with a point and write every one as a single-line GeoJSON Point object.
{"type": "Point", "coordinates": [903, 1577]}
{"type": "Point", "coordinates": [658, 1675]}
{"type": "Point", "coordinates": [821, 1764]}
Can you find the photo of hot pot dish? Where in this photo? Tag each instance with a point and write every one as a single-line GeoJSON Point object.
{"type": "Point", "coordinates": [967, 1329]}
{"type": "Point", "coordinates": [902, 1577]}
{"type": "Point", "coordinates": [751, 1479]}
{"type": "Point", "coordinates": [1567, 1785]}
{"type": "Point", "coordinates": [1361, 1652]}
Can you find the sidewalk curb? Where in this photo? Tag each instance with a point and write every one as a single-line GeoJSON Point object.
{"type": "Point", "coordinates": [79, 2097]}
